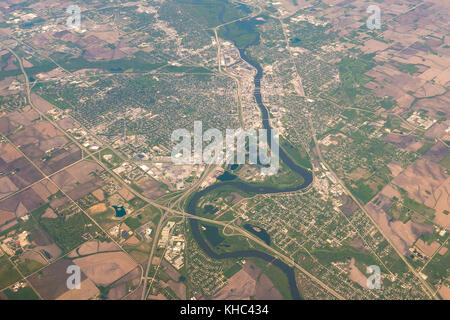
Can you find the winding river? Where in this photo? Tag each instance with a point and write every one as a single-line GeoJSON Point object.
{"type": "Point", "coordinates": [251, 188]}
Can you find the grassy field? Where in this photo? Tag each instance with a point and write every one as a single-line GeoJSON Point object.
{"type": "Point", "coordinates": [133, 222]}
{"type": "Point", "coordinates": [8, 275]}
{"type": "Point", "coordinates": [407, 208]}
{"type": "Point", "coordinates": [446, 162]}
{"type": "Point", "coordinates": [343, 253]}
{"type": "Point", "coordinates": [363, 191]}
{"type": "Point", "coordinates": [29, 266]}
{"type": "Point", "coordinates": [298, 154]}
{"type": "Point", "coordinates": [22, 294]}
{"type": "Point", "coordinates": [278, 278]}
{"type": "Point", "coordinates": [419, 208]}
{"type": "Point", "coordinates": [113, 162]}
{"type": "Point", "coordinates": [232, 270]}
{"type": "Point", "coordinates": [407, 68]}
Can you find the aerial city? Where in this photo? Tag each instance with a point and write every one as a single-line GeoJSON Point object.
{"type": "Point", "coordinates": [224, 150]}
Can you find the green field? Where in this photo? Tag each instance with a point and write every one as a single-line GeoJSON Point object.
{"type": "Point", "coordinates": [343, 253]}
{"type": "Point", "coordinates": [407, 68]}
{"type": "Point", "coordinates": [26, 293]}
{"type": "Point", "coordinates": [232, 270]}
{"type": "Point", "coordinates": [133, 222]}
{"type": "Point", "coordinates": [8, 275]}
{"type": "Point", "coordinates": [418, 207]}
{"type": "Point", "coordinates": [113, 162]}
{"type": "Point", "coordinates": [298, 154]}
{"type": "Point", "coordinates": [446, 162]}
{"type": "Point", "coordinates": [363, 191]}
{"type": "Point", "coordinates": [29, 266]}
{"type": "Point", "coordinates": [278, 278]}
